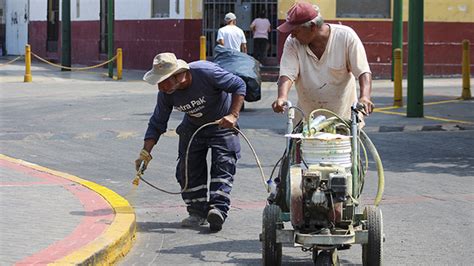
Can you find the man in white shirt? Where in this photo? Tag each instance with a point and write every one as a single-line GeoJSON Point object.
{"type": "Point", "coordinates": [323, 60]}
{"type": "Point", "coordinates": [231, 36]}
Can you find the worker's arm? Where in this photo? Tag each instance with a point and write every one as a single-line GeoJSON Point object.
{"type": "Point", "coordinates": [145, 156]}
{"type": "Point", "coordinates": [243, 48]}
{"type": "Point", "coordinates": [221, 42]}
{"type": "Point", "coordinates": [230, 120]}
{"type": "Point", "coordinates": [365, 84]}
{"type": "Point", "coordinates": [284, 86]}
{"type": "Point", "coordinates": [148, 144]}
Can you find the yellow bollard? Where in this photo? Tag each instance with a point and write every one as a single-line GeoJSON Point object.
{"type": "Point", "coordinates": [202, 46]}
{"type": "Point", "coordinates": [28, 77]}
{"type": "Point", "coordinates": [466, 71]}
{"type": "Point", "coordinates": [119, 63]}
{"type": "Point", "coordinates": [397, 77]}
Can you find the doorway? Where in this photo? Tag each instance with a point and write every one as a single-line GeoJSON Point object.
{"type": "Point", "coordinates": [104, 32]}
{"type": "Point", "coordinates": [245, 11]}
{"type": "Point", "coordinates": [52, 28]}
{"type": "Point", "coordinates": [16, 28]}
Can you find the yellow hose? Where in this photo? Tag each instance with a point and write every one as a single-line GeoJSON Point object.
{"type": "Point", "coordinates": [378, 163]}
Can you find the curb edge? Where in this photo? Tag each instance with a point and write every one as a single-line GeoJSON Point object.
{"type": "Point", "coordinates": [118, 238]}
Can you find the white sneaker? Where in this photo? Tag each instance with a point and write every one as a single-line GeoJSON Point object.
{"type": "Point", "coordinates": [193, 221]}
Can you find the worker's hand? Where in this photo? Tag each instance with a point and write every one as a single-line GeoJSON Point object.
{"type": "Point", "coordinates": [279, 105]}
{"type": "Point", "coordinates": [144, 157]}
{"type": "Point", "coordinates": [368, 105]}
{"type": "Point", "coordinates": [228, 121]}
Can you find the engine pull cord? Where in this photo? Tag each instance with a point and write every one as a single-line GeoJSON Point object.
{"type": "Point", "coordinates": [139, 175]}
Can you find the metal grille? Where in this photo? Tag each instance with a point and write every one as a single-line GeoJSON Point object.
{"type": "Point", "coordinates": [246, 11]}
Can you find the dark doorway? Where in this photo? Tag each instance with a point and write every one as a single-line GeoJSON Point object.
{"type": "Point", "coordinates": [246, 11]}
{"type": "Point", "coordinates": [52, 30]}
{"type": "Point", "coordinates": [104, 33]}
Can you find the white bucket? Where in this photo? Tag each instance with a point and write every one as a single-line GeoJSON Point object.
{"type": "Point", "coordinates": [327, 148]}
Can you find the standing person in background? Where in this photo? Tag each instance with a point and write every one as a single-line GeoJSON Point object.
{"type": "Point", "coordinates": [231, 36]}
{"type": "Point", "coordinates": [260, 27]}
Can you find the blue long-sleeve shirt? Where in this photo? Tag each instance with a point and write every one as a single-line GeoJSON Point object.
{"type": "Point", "coordinates": [207, 99]}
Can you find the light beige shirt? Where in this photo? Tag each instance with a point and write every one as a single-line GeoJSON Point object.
{"type": "Point", "coordinates": [327, 82]}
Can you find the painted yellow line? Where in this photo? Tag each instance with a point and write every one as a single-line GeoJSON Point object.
{"type": "Point", "coordinates": [115, 242]}
{"type": "Point", "coordinates": [425, 104]}
{"type": "Point", "coordinates": [427, 117]}
{"type": "Point", "coordinates": [441, 102]}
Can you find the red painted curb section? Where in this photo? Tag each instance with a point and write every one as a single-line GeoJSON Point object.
{"type": "Point", "coordinates": [98, 214]}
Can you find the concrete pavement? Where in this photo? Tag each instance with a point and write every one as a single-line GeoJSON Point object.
{"type": "Point", "coordinates": [443, 113]}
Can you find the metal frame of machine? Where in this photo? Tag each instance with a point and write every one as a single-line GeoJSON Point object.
{"type": "Point", "coordinates": [321, 198]}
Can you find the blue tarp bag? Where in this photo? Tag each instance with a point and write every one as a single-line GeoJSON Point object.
{"type": "Point", "coordinates": [242, 65]}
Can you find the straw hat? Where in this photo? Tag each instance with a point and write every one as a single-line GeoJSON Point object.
{"type": "Point", "coordinates": [164, 66]}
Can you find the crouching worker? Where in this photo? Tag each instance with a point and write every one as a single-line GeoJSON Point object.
{"type": "Point", "coordinates": [205, 93]}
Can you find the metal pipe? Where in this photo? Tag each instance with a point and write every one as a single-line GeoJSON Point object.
{"type": "Point", "coordinates": [397, 78]}
{"type": "Point", "coordinates": [202, 48]}
{"type": "Point", "coordinates": [28, 77]}
{"type": "Point", "coordinates": [415, 59]}
{"type": "Point", "coordinates": [119, 63]}
{"type": "Point", "coordinates": [466, 72]}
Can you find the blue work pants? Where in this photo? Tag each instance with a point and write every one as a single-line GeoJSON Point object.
{"type": "Point", "coordinates": [225, 151]}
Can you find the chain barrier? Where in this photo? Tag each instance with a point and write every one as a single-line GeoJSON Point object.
{"type": "Point", "coordinates": [73, 68]}
{"type": "Point", "coordinates": [12, 61]}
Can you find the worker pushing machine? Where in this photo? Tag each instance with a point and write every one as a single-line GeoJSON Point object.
{"type": "Point", "coordinates": [323, 60]}
{"type": "Point", "coordinates": [205, 93]}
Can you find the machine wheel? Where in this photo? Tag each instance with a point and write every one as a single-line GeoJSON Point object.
{"type": "Point", "coordinates": [326, 258]}
{"type": "Point", "coordinates": [271, 250]}
{"type": "Point", "coordinates": [372, 252]}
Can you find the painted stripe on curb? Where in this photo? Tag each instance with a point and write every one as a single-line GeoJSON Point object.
{"type": "Point", "coordinates": [118, 238]}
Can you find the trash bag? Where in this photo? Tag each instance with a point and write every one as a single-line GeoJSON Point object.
{"type": "Point", "coordinates": [242, 65]}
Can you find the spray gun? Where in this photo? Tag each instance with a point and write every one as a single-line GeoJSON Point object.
{"type": "Point", "coordinates": [141, 169]}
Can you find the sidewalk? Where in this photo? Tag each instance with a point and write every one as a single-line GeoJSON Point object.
{"type": "Point", "coordinates": [53, 217]}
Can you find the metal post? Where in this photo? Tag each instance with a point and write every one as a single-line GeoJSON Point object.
{"type": "Point", "coordinates": [397, 29]}
{"type": "Point", "coordinates": [415, 59]}
{"type": "Point", "coordinates": [202, 46]}
{"type": "Point", "coordinates": [119, 63]}
{"type": "Point", "coordinates": [28, 77]}
{"type": "Point", "coordinates": [466, 71]}
{"type": "Point", "coordinates": [110, 35]}
{"type": "Point", "coordinates": [66, 34]}
{"type": "Point", "coordinates": [397, 78]}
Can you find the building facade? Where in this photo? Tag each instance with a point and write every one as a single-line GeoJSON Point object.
{"type": "Point", "coordinates": [143, 28]}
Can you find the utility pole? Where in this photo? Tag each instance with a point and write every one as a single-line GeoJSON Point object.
{"type": "Point", "coordinates": [66, 34]}
{"type": "Point", "coordinates": [397, 30]}
{"type": "Point", "coordinates": [415, 59]}
{"type": "Point", "coordinates": [110, 37]}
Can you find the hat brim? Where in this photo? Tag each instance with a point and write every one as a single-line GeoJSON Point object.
{"type": "Point", "coordinates": [286, 27]}
{"type": "Point", "coordinates": [152, 78]}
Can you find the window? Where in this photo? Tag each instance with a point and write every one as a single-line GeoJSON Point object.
{"type": "Point", "coordinates": [363, 9]}
{"type": "Point", "coordinates": [160, 9]}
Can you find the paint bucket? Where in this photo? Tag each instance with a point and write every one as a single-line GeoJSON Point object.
{"type": "Point", "coordinates": [327, 148]}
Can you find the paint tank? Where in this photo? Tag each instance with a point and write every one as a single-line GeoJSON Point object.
{"type": "Point", "coordinates": [327, 148]}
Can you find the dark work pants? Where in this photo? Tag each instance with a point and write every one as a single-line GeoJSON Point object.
{"type": "Point", "coordinates": [225, 150]}
{"type": "Point", "coordinates": [260, 49]}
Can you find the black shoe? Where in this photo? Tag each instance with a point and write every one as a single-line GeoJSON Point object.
{"type": "Point", "coordinates": [215, 219]}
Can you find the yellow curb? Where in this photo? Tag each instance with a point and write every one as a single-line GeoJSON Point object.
{"type": "Point", "coordinates": [111, 245]}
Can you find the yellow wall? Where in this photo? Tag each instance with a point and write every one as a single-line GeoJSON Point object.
{"type": "Point", "coordinates": [435, 10]}
{"type": "Point", "coordinates": [193, 9]}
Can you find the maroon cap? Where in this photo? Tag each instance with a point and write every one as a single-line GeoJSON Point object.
{"type": "Point", "coordinates": [298, 14]}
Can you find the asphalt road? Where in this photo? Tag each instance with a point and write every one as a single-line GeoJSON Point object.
{"type": "Point", "coordinates": [94, 129]}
